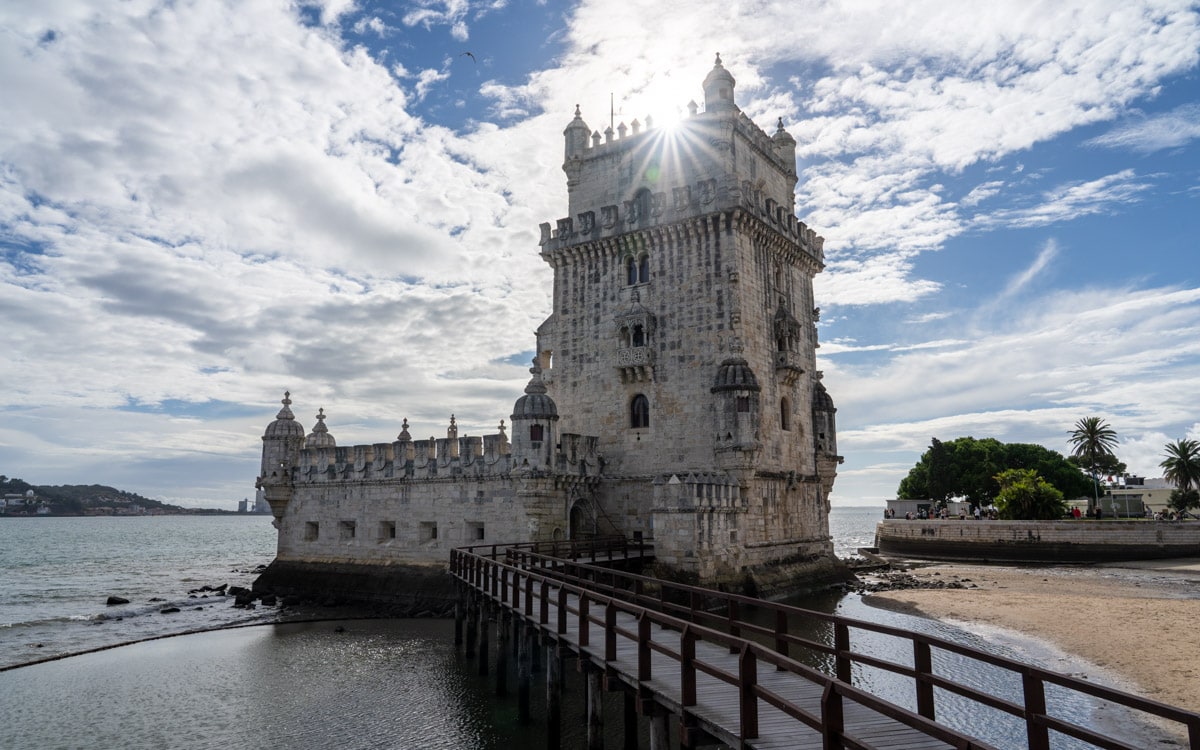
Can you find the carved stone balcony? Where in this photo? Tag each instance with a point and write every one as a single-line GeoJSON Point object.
{"type": "Point", "coordinates": [788, 367]}
{"type": "Point", "coordinates": [635, 364]}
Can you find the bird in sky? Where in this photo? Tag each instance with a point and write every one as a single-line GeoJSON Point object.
{"type": "Point", "coordinates": [468, 54]}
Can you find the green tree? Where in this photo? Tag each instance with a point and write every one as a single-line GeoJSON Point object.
{"type": "Point", "coordinates": [1093, 441]}
{"type": "Point", "coordinates": [1025, 496]}
{"type": "Point", "coordinates": [1182, 500]}
{"type": "Point", "coordinates": [966, 467]}
{"type": "Point", "coordinates": [1181, 465]}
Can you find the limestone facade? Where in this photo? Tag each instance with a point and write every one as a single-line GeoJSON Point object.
{"type": "Point", "coordinates": [674, 391]}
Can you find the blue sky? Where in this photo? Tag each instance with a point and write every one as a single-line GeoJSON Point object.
{"type": "Point", "coordinates": [205, 203]}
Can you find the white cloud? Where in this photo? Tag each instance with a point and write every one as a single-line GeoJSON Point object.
{"type": "Point", "coordinates": [1171, 129]}
{"type": "Point", "coordinates": [238, 202]}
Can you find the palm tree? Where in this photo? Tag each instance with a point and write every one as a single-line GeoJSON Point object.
{"type": "Point", "coordinates": [1092, 439]}
{"type": "Point", "coordinates": [1181, 466]}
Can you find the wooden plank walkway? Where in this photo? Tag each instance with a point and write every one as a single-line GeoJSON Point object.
{"type": "Point", "coordinates": [692, 653]}
{"type": "Point", "coordinates": [718, 705]}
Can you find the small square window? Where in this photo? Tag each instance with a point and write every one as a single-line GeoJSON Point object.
{"type": "Point", "coordinates": [387, 531]}
{"type": "Point", "coordinates": [312, 530]}
{"type": "Point", "coordinates": [429, 531]}
{"type": "Point", "coordinates": [475, 532]}
{"type": "Point", "coordinates": [346, 530]}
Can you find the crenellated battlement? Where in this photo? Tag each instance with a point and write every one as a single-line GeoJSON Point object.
{"type": "Point", "coordinates": [687, 202]}
{"type": "Point", "coordinates": [317, 459]}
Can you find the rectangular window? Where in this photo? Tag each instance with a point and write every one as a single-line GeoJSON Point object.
{"type": "Point", "coordinates": [312, 530]}
{"type": "Point", "coordinates": [743, 404]}
{"type": "Point", "coordinates": [429, 531]}
{"type": "Point", "coordinates": [346, 530]}
{"type": "Point", "coordinates": [475, 532]}
{"type": "Point", "coordinates": [387, 531]}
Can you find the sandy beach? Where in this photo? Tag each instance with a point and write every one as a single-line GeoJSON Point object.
{"type": "Point", "coordinates": [1136, 620]}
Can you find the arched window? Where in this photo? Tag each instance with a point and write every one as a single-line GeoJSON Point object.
{"type": "Point", "coordinates": [639, 412]}
{"type": "Point", "coordinates": [785, 414]}
{"type": "Point", "coordinates": [639, 335]}
{"type": "Point", "coordinates": [644, 269]}
{"type": "Point", "coordinates": [625, 336]}
{"type": "Point", "coordinates": [631, 271]}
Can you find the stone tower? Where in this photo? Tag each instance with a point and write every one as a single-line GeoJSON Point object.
{"type": "Point", "coordinates": [683, 336]}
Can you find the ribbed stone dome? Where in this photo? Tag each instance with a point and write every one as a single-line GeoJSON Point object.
{"type": "Point", "coordinates": [535, 404]}
{"type": "Point", "coordinates": [735, 374]}
{"type": "Point", "coordinates": [320, 437]}
{"type": "Point", "coordinates": [821, 400]}
{"type": "Point", "coordinates": [285, 424]}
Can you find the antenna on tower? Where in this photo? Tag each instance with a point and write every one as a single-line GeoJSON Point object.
{"type": "Point", "coordinates": [612, 112]}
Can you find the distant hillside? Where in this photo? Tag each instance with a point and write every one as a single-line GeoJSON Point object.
{"type": "Point", "coordinates": [85, 499]}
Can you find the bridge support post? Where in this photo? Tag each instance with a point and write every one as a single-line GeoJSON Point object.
{"type": "Point", "coordinates": [553, 703]}
{"type": "Point", "coordinates": [484, 635]}
{"type": "Point", "coordinates": [503, 628]}
{"type": "Point", "coordinates": [595, 718]}
{"type": "Point", "coordinates": [535, 656]}
{"type": "Point", "coordinates": [472, 623]}
{"type": "Point", "coordinates": [630, 723]}
{"type": "Point", "coordinates": [459, 606]}
{"type": "Point", "coordinates": [660, 729]}
{"type": "Point", "coordinates": [524, 662]}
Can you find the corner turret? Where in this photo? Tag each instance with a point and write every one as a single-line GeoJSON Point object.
{"type": "Point", "coordinates": [282, 442]}
{"type": "Point", "coordinates": [576, 135]}
{"type": "Point", "coordinates": [785, 146]}
{"type": "Point", "coordinates": [718, 89]}
{"type": "Point", "coordinates": [534, 425]}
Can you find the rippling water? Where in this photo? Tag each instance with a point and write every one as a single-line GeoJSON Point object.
{"type": "Point", "coordinates": [57, 574]}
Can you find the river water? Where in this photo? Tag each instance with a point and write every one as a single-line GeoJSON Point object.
{"type": "Point", "coordinates": [346, 684]}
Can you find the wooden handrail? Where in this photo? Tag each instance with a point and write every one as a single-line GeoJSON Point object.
{"type": "Point", "coordinates": [727, 626]}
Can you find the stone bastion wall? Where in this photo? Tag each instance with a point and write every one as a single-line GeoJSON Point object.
{"type": "Point", "coordinates": [1038, 541]}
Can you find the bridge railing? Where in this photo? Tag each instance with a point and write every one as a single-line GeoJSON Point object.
{"type": "Point", "coordinates": [530, 590]}
{"type": "Point", "coordinates": [596, 549]}
{"type": "Point", "coordinates": [736, 620]}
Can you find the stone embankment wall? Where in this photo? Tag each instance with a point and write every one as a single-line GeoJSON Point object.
{"type": "Point", "coordinates": [1038, 541]}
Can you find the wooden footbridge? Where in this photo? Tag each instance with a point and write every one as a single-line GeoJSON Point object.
{"type": "Point", "coordinates": [735, 670]}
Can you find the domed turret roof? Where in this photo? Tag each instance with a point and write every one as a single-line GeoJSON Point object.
{"type": "Point", "coordinates": [718, 87]}
{"type": "Point", "coordinates": [735, 374]}
{"type": "Point", "coordinates": [535, 404]}
{"type": "Point", "coordinates": [320, 437]}
{"type": "Point", "coordinates": [577, 123]}
{"type": "Point", "coordinates": [821, 400]}
{"type": "Point", "coordinates": [285, 424]}
{"type": "Point", "coordinates": [782, 137]}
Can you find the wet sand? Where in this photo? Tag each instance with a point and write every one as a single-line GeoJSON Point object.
{"type": "Point", "coordinates": [1136, 620]}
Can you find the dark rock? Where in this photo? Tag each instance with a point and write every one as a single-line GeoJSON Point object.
{"type": "Point", "coordinates": [268, 600]}
{"type": "Point", "coordinates": [156, 599]}
{"type": "Point", "coordinates": [116, 600]}
{"type": "Point", "coordinates": [168, 611]}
